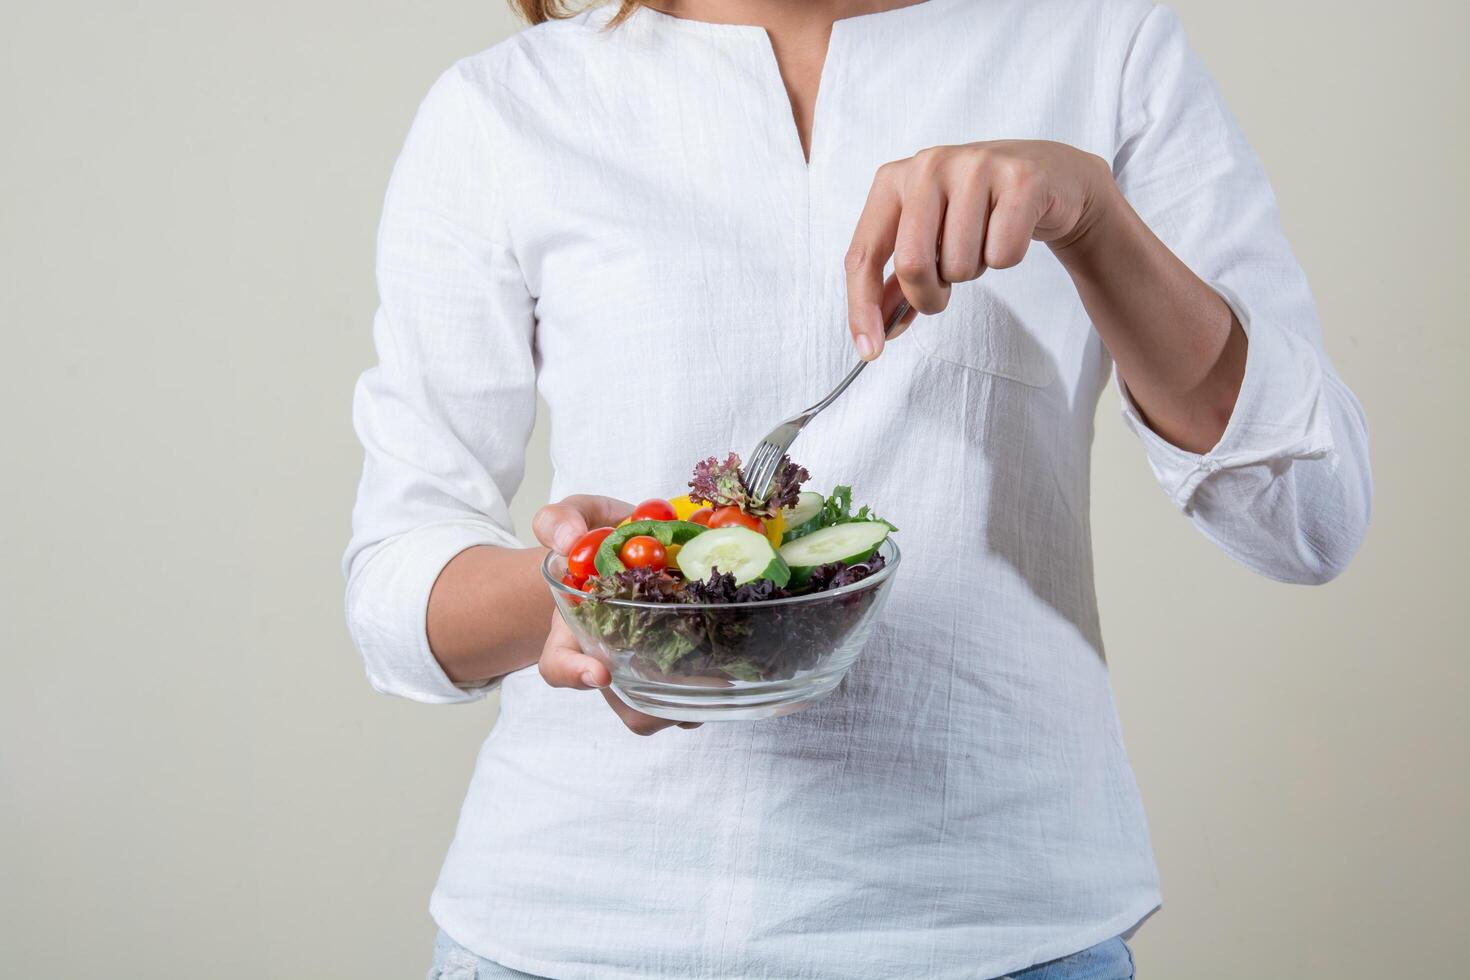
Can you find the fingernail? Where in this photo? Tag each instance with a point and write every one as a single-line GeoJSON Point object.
{"type": "Point", "coordinates": [564, 538]}
{"type": "Point", "coordinates": [864, 347]}
{"type": "Point", "coordinates": [589, 679]}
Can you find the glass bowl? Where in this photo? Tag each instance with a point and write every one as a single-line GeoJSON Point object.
{"type": "Point", "coordinates": [731, 661]}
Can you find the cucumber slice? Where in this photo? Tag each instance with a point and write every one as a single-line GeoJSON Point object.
{"type": "Point", "coordinates": [737, 550]}
{"type": "Point", "coordinates": [803, 517]}
{"type": "Point", "coordinates": [847, 543]}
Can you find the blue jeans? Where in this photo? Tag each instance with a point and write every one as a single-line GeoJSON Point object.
{"type": "Point", "coordinates": [1109, 960]}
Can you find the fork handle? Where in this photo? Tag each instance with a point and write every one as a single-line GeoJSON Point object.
{"type": "Point", "coordinates": [899, 312]}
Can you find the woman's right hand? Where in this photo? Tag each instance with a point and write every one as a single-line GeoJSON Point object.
{"type": "Point", "coordinates": [563, 664]}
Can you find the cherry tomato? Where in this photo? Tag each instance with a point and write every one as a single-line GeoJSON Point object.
{"type": "Point", "coordinates": [590, 584]}
{"type": "Point", "coordinates": [570, 582]}
{"type": "Point", "coordinates": [653, 509]}
{"type": "Point", "coordinates": [580, 562]}
{"type": "Point", "coordinates": [735, 517]}
{"type": "Point", "coordinates": [701, 516]}
{"type": "Point", "coordinates": [642, 551]}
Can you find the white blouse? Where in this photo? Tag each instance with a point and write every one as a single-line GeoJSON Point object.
{"type": "Point", "coordinates": [623, 220]}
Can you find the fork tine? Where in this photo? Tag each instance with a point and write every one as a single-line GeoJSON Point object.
{"type": "Point", "coordinates": [754, 482]}
{"type": "Point", "coordinates": [757, 464]}
{"type": "Point", "coordinates": [760, 458]}
{"type": "Point", "coordinates": [771, 459]}
{"type": "Point", "coordinates": [767, 458]}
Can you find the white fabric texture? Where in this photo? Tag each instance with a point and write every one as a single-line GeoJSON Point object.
{"type": "Point", "coordinates": [624, 219]}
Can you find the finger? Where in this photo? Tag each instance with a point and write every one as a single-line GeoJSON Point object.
{"type": "Point", "coordinates": [637, 722]}
{"type": "Point", "coordinates": [563, 664]}
{"type": "Point", "coordinates": [916, 250]}
{"type": "Point", "coordinates": [961, 250]}
{"type": "Point", "coordinates": [1019, 204]}
{"type": "Point", "coordinates": [559, 525]}
{"type": "Point", "coordinates": [892, 294]}
{"type": "Point", "coordinates": [872, 244]}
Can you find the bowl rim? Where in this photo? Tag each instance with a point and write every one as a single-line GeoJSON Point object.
{"type": "Point", "coordinates": [891, 562]}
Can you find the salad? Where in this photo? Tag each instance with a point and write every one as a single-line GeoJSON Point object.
{"type": "Point", "coordinates": [719, 549]}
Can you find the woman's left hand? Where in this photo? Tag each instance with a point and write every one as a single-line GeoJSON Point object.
{"type": "Point", "coordinates": [948, 213]}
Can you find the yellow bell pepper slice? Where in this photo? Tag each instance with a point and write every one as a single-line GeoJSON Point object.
{"type": "Point", "coordinates": [775, 529]}
{"type": "Point", "coordinates": [684, 507]}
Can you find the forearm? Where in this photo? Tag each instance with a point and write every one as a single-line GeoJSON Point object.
{"type": "Point", "coordinates": [488, 613]}
{"type": "Point", "coordinates": [1178, 346]}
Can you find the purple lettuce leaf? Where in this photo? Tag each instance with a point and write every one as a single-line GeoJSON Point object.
{"type": "Point", "coordinates": [717, 483]}
{"type": "Point", "coordinates": [784, 489]}
{"type": "Point", "coordinates": [720, 587]}
{"type": "Point", "coordinates": [834, 575]}
{"type": "Point", "coordinates": [639, 585]}
{"type": "Point", "coordinates": [723, 485]}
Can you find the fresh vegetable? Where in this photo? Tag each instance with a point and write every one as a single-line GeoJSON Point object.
{"type": "Point", "coordinates": [720, 588]}
{"type": "Point", "coordinates": [721, 642]}
{"type": "Point", "coordinates": [640, 585]}
{"type": "Point", "coordinates": [835, 574]}
{"type": "Point", "coordinates": [717, 549]}
{"type": "Point", "coordinates": [643, 551]}
{"type": "Point", "coordinates": [608, 559]}
{"type": "Point", "coordinates": [723, 484]}
{"type": "Point", "coordinates": [735, 517]}
{"type": "Point", "coordinates": [804, 516]}
{"type": "Point", "coordinates": [580, 562]}
{"type": "Point", "coordinates": [686, 509]}
{"type": "Point", "coordinates": [772, 527]}
{"type": "Point", "coordinates": [735, 550]}
{"type": "Point", "coordinates": [837, 509]}
{"type": "Point", "coordinates": [775, 528]}
{"type": "Point", "coordinates": [718, 484]}
{"type": "Point", "coordinates": [846, 544]}
{"type": "Point", "coordinates": [653, 509]}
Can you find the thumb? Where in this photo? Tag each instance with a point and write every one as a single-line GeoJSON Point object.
{"type": "Point", "coordinates": [558, 526]}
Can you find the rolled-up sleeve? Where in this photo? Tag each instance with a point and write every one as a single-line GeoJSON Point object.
{"type": "Point", "coordinates": [1287, 490]}
{"type": "Point", "coordinates": [445, 414]}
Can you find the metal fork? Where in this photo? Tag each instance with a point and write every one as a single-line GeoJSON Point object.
{"type": "Point", "coordinates": [761, 465]}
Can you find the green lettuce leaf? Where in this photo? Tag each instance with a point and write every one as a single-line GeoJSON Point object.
{"type": "Point", "coordinates": [837, 509]}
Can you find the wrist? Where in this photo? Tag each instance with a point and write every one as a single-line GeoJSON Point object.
{"type": "Point", "coordinates": [1104, 217]}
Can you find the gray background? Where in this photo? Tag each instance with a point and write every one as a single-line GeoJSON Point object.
{"type": "Point", "coordinates": [196, 781]}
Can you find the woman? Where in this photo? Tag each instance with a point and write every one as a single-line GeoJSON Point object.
{"type": "Point", "coordinates": [661, 224]}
